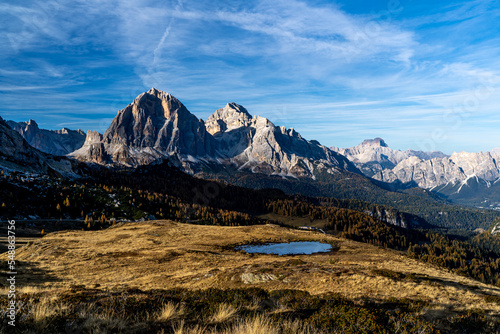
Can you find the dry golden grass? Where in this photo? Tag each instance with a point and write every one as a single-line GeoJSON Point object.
{"type": "Point", "coordinates": [257, 325]}
{"type": "Point", "coordinates": [225, 312]}
{"type": "Point", "coordinates": [26, 290]}
{"type": "Point", "coordinates": [98, 320]}
{"type": "Point", "coordinates": [180, 328]}
{"type": "Point", "coordinates": [260, 324]}
{"type": "Point", "coordinates": [44, 314]}
{"type": "Point", "coordinates": [41, 311]}
{"type": "Point", "coordinates": [170, 311]}
{"type": "Point", "coordinates": [104, 323]}
{"type": "Point", "coordinates": [166, 255]}
{"type": "Point", "coordinates": [46, 308]}
{"type": "Point", "coordinates": [29, 290]}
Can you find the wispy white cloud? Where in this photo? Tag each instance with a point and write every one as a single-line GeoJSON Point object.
{"type": "Point", "coordinates": [336, 75]}
{"type": "Point", "coordinates": [453, 12]}
{"type": "Point", "coordinates": [300, 28]}
{"type": "Point", "coordinates": [289, 39]}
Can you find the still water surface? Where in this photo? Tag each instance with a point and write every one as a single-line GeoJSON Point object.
{"type": "Point", "coordinates": [292, 248]}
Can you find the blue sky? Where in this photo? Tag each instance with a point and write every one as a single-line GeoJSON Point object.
{"type": "Point", "coordinates": [420, 74]}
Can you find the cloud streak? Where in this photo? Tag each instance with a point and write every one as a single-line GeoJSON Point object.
{"type": "Point", "coordinates": [331, 73]}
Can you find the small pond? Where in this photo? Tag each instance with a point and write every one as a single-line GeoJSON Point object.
{"type": "Point", "coordinates": [291, 248]}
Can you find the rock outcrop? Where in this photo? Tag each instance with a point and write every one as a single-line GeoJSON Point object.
{"type": "Point", "coordinates": [93, 149]}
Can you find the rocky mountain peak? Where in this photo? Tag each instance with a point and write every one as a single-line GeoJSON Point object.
{"type": "Point", "coordinates": [92, 137]}
{"type": "Point", "coordinates": [155, 103]}
{"type": "Point", "coordinates": [480, 164]}
{"type": "Point", "coordinates": [154, 91]}
{"type": "Point", "coordinates": [232, 106]}
{"type": "Point", "coordinates": [148, 120]}
{"type": "Point", "coordinates": [374, 155]}
{"type": "Point", "coordinates": [454, 170]}
{"type": "Point", "coordinates": [495, 153]}
{"type": "Point", "coordinates": [93, 148]}
{"type": "Point", "coordinates": [156, 125]}
{"type": "Point", "coordinates": [232, 116]}
{"type": "Point", "coordinates": [376, 142]}
{"type": "Point", "coordinates": [32, 123]}
{"type": "Point", "coordinates": [17, 154]}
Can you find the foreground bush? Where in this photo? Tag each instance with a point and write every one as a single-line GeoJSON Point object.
{"type": "Point", "coordinates": [225, 311]}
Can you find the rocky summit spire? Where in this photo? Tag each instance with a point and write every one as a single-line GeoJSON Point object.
{"type": "Point", "coordinates": [376, 142]}
{"type": "Point", "coordinates": [232, 116]}
{"type": "Point", "coordinates": [155, 125]}
{"type": "Point", "coordinates": [32, 123]}
{"type": "Point", "coordinates": [158, 120]}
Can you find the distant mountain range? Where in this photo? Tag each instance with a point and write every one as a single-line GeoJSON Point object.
{"type": "Point", "coordinates": [247, 150]}
{"type": "Point", "coordinates": [468, 178]}
{"type": "Point", "coordinates": [373, 156]}
{"type": "Point", "coordinates": [55, 142]}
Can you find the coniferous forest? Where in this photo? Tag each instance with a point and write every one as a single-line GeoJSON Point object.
{"type": "Point", "coordinates": [163, 192]}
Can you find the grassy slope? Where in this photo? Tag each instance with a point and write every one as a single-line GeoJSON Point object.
{"type": "Point", "coordinates": [169, 277]}
{"type": "Point", "coordinates": [164, 254]}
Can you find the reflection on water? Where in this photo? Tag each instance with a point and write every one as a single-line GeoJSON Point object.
{"type": "Point", "coordinates": [300, 247]}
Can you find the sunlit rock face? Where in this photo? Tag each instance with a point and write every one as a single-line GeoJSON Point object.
{"type": "Point", "coordinates": [157, 125]}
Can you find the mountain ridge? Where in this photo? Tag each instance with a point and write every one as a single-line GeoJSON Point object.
{"type": "Point", "coordinates": [17, 154]}
{"type": "Point", "coordinates": [234, 146]}
{"type": "Point", "coordinates": [55, 142]}
{"type": "Point", "coordinates": [471, 178]}
{"type": "Point", "coordinates": [374, 155]}
{"type": "Point", "coordinates": [157, 125]}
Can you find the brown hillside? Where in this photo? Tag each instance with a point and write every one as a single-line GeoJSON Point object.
{"type": "Point", "coordinates": [165, 254]}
